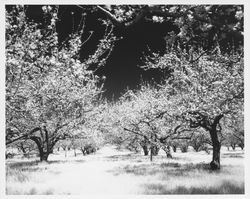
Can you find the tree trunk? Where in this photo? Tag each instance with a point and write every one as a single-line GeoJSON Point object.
{"type": "Point", "coordinates": [44, 156]}
{"type": "Point", "coordinates": [241, 145]}
{"type": "Point", "coordinates": [215, 164]}
{"type": "Point", "coordinates": [23, 150]}
{"type": "Point", "coordinates": [174, 148]}
{"type": "Point", "coordinates": [196, 148]}
{"type": "Point", "coordinates": [184, 148]}
{"type": "Point", "coordinates": [151, 153]}
{"type": "Point", "coordinates": [167, 151]}
{"type": "Point", "coordinates": [233, 146]}
{"type": "Point", "coordinates": [83, 151]}
{"type": "Point", "coordinates": [44, 144]}
{"type": "Point", "coordinates": [155, 150]}
{"type": "Point", "coordinates": [145, 150]}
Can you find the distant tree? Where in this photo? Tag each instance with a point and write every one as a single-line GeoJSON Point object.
{"type": "Point", "coordinates": [174, 144]}
{"type": "Point", "coordinates": [184, 146]}
{"type": "Point", "coordinates": [26, 147]}
{"type": "Point", "coordinates": [234, 127]}
{"type": "Point", "coordinates": [86, 146]}
{"type": "Point", "coordinates": [64, 144]}
{"type": "Point", "coordinates": [147, 116]}
{"type": "Point", "coordinates": [199, 141]}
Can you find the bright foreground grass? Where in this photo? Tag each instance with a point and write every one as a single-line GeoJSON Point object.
{"type": "Point", "coordinates": [111, 171]}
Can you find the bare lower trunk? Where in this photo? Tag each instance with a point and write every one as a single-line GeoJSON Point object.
{"type": "Point", "coordinates": [174, 148]}
{"type": "Point", "coordinates": [151, 153]}
{"type": "Point", "coordinates": [215, 164]}
{"type": "Point", "coordinates": [44, 156]}
{"type": "Point", "coordinates": [213, 131]}
{"type": "Point", "coordinates": [167, 151]}
{"type": "Point", "coordinates": [155, 150]}
{"type": "Point", "coordinates": [233, 146]}
{"type": "Point", "coordinates": [241, 145]}
{"type": "Point", "coordinates": [145, 150]}
{"type": "Point", "coordinates": [83, 151]}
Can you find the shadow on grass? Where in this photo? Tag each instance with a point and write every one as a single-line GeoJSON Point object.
{"type": "Point", "coordinates": [18, 165]}
{"type": "Point", "coordinates": [31, 191]}
{"type": "Point", "coordinates": [165, 169]}
{"type": "Point", "coordinates": [21, 171]}
{"type": "Point", "coordinates": [132, 157]}
{"type": "Point", "coordinates": [136, 157]}
{"type": "Point", "coordinates": [199, 178]}
{"type": "Point", "coordinates": [29, 164]}
{"type": "Point", "coordinates": [233, 155]}
{"type": "Point", "coordinates": [226, 187]}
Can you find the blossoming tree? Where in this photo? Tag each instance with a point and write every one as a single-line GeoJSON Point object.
{"type": "Point", "coordinates": [49, 92]}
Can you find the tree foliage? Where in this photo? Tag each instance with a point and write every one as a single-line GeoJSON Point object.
{"type": "Point", "coordinates": [196, 25]}
{"type": "Point", "coordinates": [205, 88]}
{"type": "Point", "coordinates": [49, 92]}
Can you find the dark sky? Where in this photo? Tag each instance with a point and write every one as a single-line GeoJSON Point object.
{"type": "Point", "coordinates": [122, 68]}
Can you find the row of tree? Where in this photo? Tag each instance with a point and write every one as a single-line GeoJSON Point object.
{"type": "Point", "coordinates": [205, 95]}
{"type": "Point", "coordinates": [52, 96]}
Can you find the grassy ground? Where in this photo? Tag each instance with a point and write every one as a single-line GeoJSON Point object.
{"type": "Point", "coordinates": [112, 171]}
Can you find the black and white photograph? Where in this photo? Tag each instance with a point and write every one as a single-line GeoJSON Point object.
{"type": "Point", "coordinates": [124, 99]}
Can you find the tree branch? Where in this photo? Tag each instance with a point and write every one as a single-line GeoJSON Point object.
{"type": "Point", "coordinates": [24, 136]}
{"type": "Point", "coordinates": [217, 120]}
{"type": "Point", "coordinates": [111, 17]}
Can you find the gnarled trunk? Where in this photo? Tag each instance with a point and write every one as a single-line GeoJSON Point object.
{"type": "Point", "coordinates": [215, 163]}
{"type": "Point", "coordinates": [213, 127]}
{"type": "Point", "coordinates": [44, 144]}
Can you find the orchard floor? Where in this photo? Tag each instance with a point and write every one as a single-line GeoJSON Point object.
{"type": "Point", "coordinates": [113, 171]}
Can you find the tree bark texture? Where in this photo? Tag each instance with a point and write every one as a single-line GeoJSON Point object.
{"type": "Point", "coordinates": [215, 164]}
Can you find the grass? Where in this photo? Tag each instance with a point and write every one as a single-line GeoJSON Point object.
{"type": "Point", "coordinates": [127, 173]}
{"type": "Point", "coordinates": [224, 188]}
{"type": "Point", "coordinates": [196, 179]}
